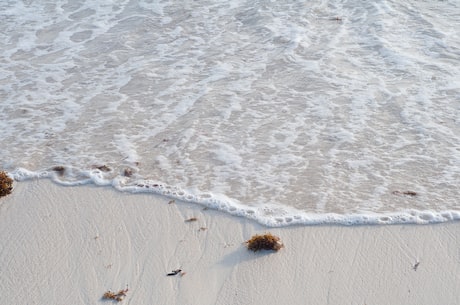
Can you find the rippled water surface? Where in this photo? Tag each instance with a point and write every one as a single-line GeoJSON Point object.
{"type": "Point", "coordinates": [281, 111]}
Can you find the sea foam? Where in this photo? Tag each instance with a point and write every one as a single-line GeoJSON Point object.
{"type": "Point", "coordinates": [284, 112]}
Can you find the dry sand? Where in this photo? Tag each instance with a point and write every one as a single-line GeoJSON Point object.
{"type": "Point", "coordinates": [68, 245]}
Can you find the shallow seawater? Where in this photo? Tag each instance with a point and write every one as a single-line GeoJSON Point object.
{"type": "Point", "coordinates": [286, 112]}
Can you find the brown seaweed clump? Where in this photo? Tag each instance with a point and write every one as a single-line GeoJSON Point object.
{"type": "Point", "coordinates": [264, 242]}
{"type": "Point", "coordinates": [119, 296]}
{"type": "Point", "coordinates": [6, 184]}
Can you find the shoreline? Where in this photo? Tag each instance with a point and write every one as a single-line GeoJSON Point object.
{"type": "Point", "coordinates": [283, 217]}
{"type": "Point", "coordinates": [64, 245]}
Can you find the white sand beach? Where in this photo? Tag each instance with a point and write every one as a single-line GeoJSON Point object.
{"type": "Point", "coordinates": [69, 245]}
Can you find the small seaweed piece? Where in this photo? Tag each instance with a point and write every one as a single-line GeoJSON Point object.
{"type": "Point", "coordinates": [407, 193]}
{"type": "Point", "coordinates": [174, 272]}
{"type": "Point", "coordinates": [102, 168]}
{"type": "Point", "coordinates": [191, 219]}
{"type": "Point", "coordinates": [59, 169]}
{"type": "Point", "coordinates": [127, 172]}
{"type": "Point", "coordinates": [109, 295]}
{"type": "Point", "coordinates": [6, 184]}
{"type": "Point", "coordinates": [264, 242]}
